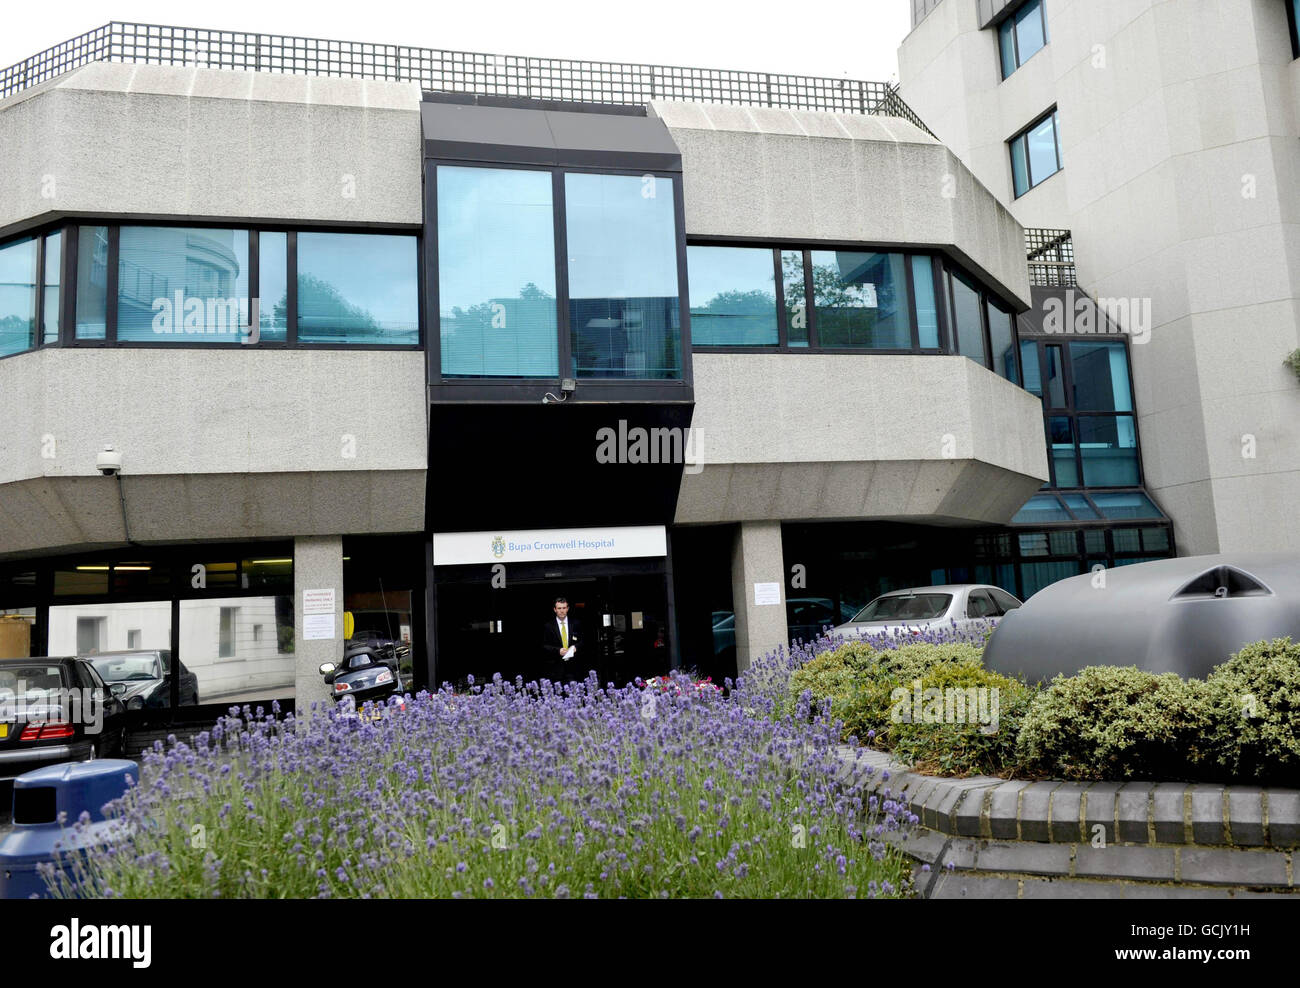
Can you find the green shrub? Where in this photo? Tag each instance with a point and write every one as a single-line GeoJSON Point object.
{"type": "Point", "coordinates": [1108, 722]}
{"type": "Point", "coordinates": [1255, 708]}
{"type": "Point", "coordinates": [831, 675]}
{"type": "Point", "coordinates": [973, 719]}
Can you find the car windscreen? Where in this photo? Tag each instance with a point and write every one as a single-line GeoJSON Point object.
{"type": "Point", "coordinates": [906, 607]}
{"type": "Point", "coordinates": [126, 668]}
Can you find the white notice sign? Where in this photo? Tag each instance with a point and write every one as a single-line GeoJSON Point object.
{"type": "Point", "coordinates": [767, 593]}
{"type": "Point", "coordinates": [316, 627]}
{"type": "Point", "coordinates": [318, 601]}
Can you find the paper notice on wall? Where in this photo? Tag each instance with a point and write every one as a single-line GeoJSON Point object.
{"type": "Point", "coordinates": [404, 632]}
{"type": "Point", "coordinates": [318, 601]}
{"type": "Point", "coordinates": [767, 593]}
{"type": "Point", "coordinates": [317, 627]}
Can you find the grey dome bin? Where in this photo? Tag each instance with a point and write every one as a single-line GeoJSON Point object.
{"type": "Point", "coordinates": [1183, 615]}
{"type": "Point", "coordinates": [40, 796]}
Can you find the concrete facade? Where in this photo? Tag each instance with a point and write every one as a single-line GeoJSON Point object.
{"type": "Point", "coordinates": [934, 439]}
{"type": "Point", "coordinates": [141, 140]}
{"type": "Point", "coordinates": [1179, 126]}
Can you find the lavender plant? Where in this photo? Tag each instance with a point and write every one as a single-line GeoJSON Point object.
{"type": "Point", "coordinates": [510, 790]}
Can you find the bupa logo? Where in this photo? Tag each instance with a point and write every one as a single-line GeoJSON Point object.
{"type": "Point", "coordinates": [92, 942]}
{"type": "Point", "coordinates": [498, 547]}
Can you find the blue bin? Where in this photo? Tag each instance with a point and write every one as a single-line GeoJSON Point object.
{"type": "Point", "coordinates": [39, 797]}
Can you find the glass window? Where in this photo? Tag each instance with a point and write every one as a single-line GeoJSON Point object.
{"type": "Point", "coordinates": [980, 605]}
{"type": "Point", "coordinates": [92, 282]}
{"type": "Point", "coordinates": [273, 285]}
{"type": "Point", "coordinates": [861, 300]}
{"type": "Point", "coordinates": [1094, 541]}
{"type": "Point", "coordinates": [358, 288]}
{"type": "Point", "coordinates": [1029, 367]}
{"type": "Point", "coordinates": [733, 296]}
{"type": "Point", "coordinates": [796, 299]}
{"type": "Point", "coordinates": [1003, 341]}
{"type": "Point", "coordinates": [1099, 372]}
{"type": "Point", "coordinates": [1155, 539]}
{"type": "Point", "coordinates": [17, 296]}
{"type": "Point", "coordinates": [217, 647]}
{"type": "Point", "coordinates": [1035, 576]}
{"type": "Point", "coordinates": [624, 306]}
{"type": "Point", "coordinates": [1127, 539]}
{"type": "Point", "coordinates": [1035, 154]}
{"type": "Point", "coordinates": [1108, 447]}
{"type": "Point", "coordinates": [180, 284]}
{"type": "Point", "coordinates": [927, 309]}
{"type": "Point", "coordinates": [1041, 508]}
{"type": "Point", "coordinates": [1007, 46]}
{"type": "Point", "coordinates": [127, 642]}
{"type": "Point", "coordinates": [1055, 377]}
{"type": "Point", "coordinates": [496, 273]}
{"type": "Point", "coordinates": [53, 273]}
{"type": "Point", "coordinates": [1060, 440]}
{"type": "Point", "coordinates": [1126, 504]}
{"type": "Point", "coordinates": [1078, 504]}
{"type": "Point", "coordinates": [1021, 36]}
{"type": "Point", "coordinates": [966, 317]}
{"type": "Point", "coordinates": [1019, 167]}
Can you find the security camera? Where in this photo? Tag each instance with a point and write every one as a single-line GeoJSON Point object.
{"type": "Point", "coordinates": [109, 462]}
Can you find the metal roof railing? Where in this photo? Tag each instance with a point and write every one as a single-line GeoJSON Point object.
{"type": "Point", "coordinates": [454, 71]}
{"type": "Point", "coordinates": [1051, 257]}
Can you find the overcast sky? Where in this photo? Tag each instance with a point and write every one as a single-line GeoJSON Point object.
{"type": "Point", "coordinates": [857, 40]}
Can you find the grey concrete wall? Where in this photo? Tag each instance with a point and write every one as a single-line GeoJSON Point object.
{"type": "Point", "coordinates": [317, 565]}
{"type": "Point", "coordinates": [215, 444]}
{"type": "Point", "coordinates": [756, 557]}
{"type": "Point", "coordinates": [791, 436]}
{"type": "Point", "coordinates": [774, 174]}
{"type": "Point", "coordinates": [172, 141]}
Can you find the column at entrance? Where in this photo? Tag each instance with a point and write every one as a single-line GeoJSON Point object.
{"type": "Point", "coordinates": [758, 589]}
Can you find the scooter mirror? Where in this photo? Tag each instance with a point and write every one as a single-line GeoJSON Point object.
{"type": "Point", "coordinates": [326, 668]}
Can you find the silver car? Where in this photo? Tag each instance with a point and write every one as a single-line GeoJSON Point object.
{"type": "Point", "coordinates": [959, 606]}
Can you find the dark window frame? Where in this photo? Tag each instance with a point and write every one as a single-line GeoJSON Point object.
{"type": "Point", "coordinates": [1068, 410]}
{"type": "Point", "coordinates": [941, 268]}
{"type": "Point", "coordinates": [530, 389]}
{"type": "Point", "coordinates": [255, 228]}
{"type": "Point", "coordinates": [39, 234]}
{"type": "Point", "coordinates": [1010, 18]}
{"type": "Point", "coordinates": [1022, 135]}
{"type": "Point", "coordinates": [1293, 28]}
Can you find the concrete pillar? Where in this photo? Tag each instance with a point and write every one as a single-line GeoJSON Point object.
{"type": "Point", "coordinates": [317, 565]}
{"type": "Point", "coordinates": [756, 558]}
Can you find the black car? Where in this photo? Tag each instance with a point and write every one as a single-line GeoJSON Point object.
{"type": "Point", "coordinates": [145, 675]}
{"type": "Point", "coordinates": [55, 710]}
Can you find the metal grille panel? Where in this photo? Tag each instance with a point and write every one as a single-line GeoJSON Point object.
{"type": "Point", "coordinates": [453, 71]}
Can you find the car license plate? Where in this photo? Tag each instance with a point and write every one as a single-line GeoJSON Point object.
{"type": "Point", "coordinates": [4, 730]}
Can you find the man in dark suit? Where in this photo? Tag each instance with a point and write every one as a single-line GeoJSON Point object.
{"type": "Point", "coordinates": [560, 634]}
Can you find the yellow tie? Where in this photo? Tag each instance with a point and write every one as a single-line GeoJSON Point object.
{"type": "Point", "coordinates": [564, 633]}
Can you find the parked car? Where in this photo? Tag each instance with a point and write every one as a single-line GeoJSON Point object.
{"type": "Point", "coordinates": [807, 617]}
{"type": "Point", "coordinates": [43, 721]}
{"type": "Point", "coordinates": [146, 674]}
{"type": "Point", "coordinates": [963, 605]}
